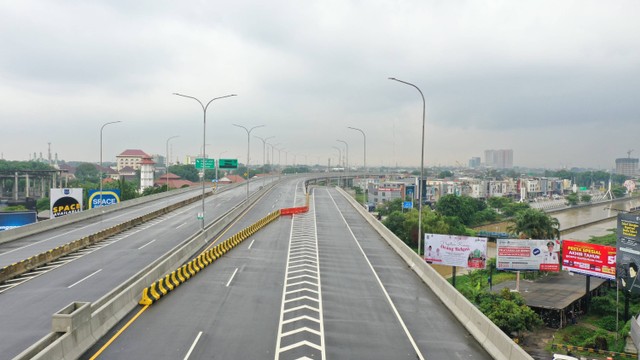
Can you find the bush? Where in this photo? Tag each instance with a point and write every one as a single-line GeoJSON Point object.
{"type": "Point", "coordinates": [607, 322]}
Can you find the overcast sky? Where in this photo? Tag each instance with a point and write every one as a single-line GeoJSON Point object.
{"type": "Point", "coordinates": [556, 81]}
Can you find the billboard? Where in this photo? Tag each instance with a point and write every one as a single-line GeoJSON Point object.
{"type": "Point", "coordinates": [455, 250]}
{"type": "Point", "coordinates": [10, 220]}
{"type": "Point", "coordinates": [589, 259]}
{"type": "Point", "coordinates": [526, 254]}
{"type": "Point", "coordinates": [65, 201]}
{"type": "Point", "coordinates": [628, 252]}
{"type": "Point", "coordinates": [109, 197]}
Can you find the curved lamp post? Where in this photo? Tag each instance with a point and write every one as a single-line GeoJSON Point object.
{"type": "Point", "coordinates": [366, 190]}
{"type": "Point", "coordinates": [264, 159]}
{"type": "Point", "coordinates": [248, 147]}
{"type": "Point", "coordinates": [167, 160]}
{"type": "Point", "coordinates": [346, 157]}
{"type": "Point", "coordinates": [421, 164]}
{"type": "Point", "coordinates": [204, 133]}
{"type": "Point", "coordinates": [103, 125]}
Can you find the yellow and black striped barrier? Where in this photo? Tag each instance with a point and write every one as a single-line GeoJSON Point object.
{"type": "Point", "coordinates": [171, 281]}
{"type": "Point", "coordinates": [619, 355]}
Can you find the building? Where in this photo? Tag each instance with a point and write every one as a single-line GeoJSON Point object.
{"type": "Point", "coordinates": [131, 158]}
{"type": "Point", "coordinates": [474, 162]}
{"type": "Point", "coordinates": [174, 181]}
{"type": "Point", "coordinates": [499, 159]}
{"type": "Point", "coordinates": [146, 173]}
{"type": "Point", "coordinates": [627, 166]}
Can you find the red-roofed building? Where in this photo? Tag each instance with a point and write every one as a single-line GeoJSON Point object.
{"type": "Point", "coordinates": [131, 158]}
{"type": "Point", "coordinates": [175, 182]}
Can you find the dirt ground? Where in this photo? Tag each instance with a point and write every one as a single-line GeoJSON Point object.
{"type": "Point", "coordinates": [534, 343]}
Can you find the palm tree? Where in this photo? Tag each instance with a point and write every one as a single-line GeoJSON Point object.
{"type": "Point", "coordinates": [535, 224]}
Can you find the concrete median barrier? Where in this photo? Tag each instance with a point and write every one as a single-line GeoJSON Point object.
{"type": "Point", "coordinates": [107, 311]}
{"type": "Point", "coordinates": [151, 294]}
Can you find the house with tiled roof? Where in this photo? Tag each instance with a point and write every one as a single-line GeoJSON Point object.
{"type": "Point", "coordinates": [131, 158]}
{"type": "Point", "coordinates": [174, 181]}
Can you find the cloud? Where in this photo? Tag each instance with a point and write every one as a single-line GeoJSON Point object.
{"type": "Point", "coordinates": [541, 77]}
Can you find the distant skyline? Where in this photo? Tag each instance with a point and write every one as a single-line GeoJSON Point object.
{"type": "Point", "coordinates": [556, 82]}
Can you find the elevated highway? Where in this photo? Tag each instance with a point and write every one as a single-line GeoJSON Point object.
{"type": "Point", "coordinates": [357, 293]}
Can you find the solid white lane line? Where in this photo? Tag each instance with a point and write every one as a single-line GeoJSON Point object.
{"type": "Point", "coordinates": [83, 279]}
{"type": "Point", "coordinates": [193, 346]}
{"type": "Point", "coordinates": [386, 294]}
{"type": "Point", "coordinates": [181, 225]}
{"type": "Point", "coordinates": [232, 275]}
{"type": "Point", "coordinates": [251, 243]}
{"type": "Point", "coordinates": [140, 248]}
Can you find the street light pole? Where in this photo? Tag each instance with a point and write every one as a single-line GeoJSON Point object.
{"type": "Point", "coordinates": [248, 147]}
{"type": "Point", "coordinates": [339, 160]}
{"type": "Point", "coordinates": [166, 161]}
{"type": "Point", "coordinates": [204, 134]}
{"type": "Point", "coordinates": [365, 162]}
{"type": "Point", "coordinates": [346, 157]}
{"type": "Point", "coordinates": [264, 159]}
{"type": "Point", "coordinates": [103, 125]}
{"type": "Point", "coordinates": [421, 163]}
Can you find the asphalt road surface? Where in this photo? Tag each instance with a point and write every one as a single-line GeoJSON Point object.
{"type": "Point", "coordinates": [26, 309]}
{"type": "Point", "coordinates": [323, 285]}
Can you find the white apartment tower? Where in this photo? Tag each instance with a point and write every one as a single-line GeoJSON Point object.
{"type": "Point", "coordinates": [146, 172]}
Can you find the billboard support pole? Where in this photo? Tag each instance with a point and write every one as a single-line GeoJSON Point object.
{"type": "Point", "coordinates": [588, 297]}
{"type": "Point", "coordinates": [453, 279]}
{"type": "Point", "coordinates": [626, 306]}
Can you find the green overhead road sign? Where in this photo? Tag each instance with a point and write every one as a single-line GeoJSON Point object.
{"type": "Point", "coordinates": [208, 163]}
{"type": "Point", "coordinates": [228, 163]}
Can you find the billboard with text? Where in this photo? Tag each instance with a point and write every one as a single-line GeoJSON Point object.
{"type": "Point", "coordinates": [628, 252]}
{"type": "Point", "coordinates": [65, 201]}
{"type": "Point", "coordinates": [589, 259]}
{"type": "Point", "coordinates": [109, 197]}
{"type": "Point", "coordinates": [527, 254]}
{"type": "Point", "coordinates": [455, 250]}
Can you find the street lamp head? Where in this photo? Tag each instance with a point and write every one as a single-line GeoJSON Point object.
{"type": "Point", "coordinates": [392, 78]}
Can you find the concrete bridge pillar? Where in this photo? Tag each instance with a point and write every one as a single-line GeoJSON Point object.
{"type": "Point", "coordinates": [15, 186]}
{"type": "Point", "coordinates": [26, 187]}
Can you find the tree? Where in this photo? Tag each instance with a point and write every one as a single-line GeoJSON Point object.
{"type": "Point", "coordinates": [618, 191]}
{"type": "Point", "coordinates": [445, 174]}
{"type": "Point", "coordinates": [535, 224]}
{"type": "Point", "coordinates": [390, 206]}
{"type": "Point", "coordinates": [463, 207]}
{"type": "Point", "coordinates": [585, 198]}
{"type": "Point", "coordinates": [86, 172]}
{"type": "Point", "coordinates": [572, 199]}
{"type": "Point", "coordinates": [508, 311]}
{"type": "Point", "coordinates": [187, 172]}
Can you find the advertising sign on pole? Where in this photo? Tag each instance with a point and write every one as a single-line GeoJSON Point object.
{"type": "Point", "coordinates": [589, 259]}
{"type": "Point", "coordinates": [14, 219]}
{"type": "Point", "coordinates": [454, 250]}
{"type": "Point", "coordinates": [109, 197]}
{"type": "Point", "coordinates": [628, 252]}
{"type": "Point", "coordinates": [65, 201]}
{"type": "Point", "coordinates": [526, 254]}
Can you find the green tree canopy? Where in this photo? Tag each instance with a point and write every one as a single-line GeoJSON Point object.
{"type": "Point", "coordinates": [186, 172]}
{"type": "Point", "coordinates": [535, 224]}
{"type": "Point", "coordinates": [87, 172]}
{"type": "Point", "coordinates": [464, 207]}
{"type": "Point", "coordinates": [508, 311]}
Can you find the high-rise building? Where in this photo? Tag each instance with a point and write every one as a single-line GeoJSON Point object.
{"type": "Point", "coordinates": [499, 159]}
{"type": "Point", "coordinates": [474, 162]}
{"type": "Point", "coordinates": [627, 166]}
